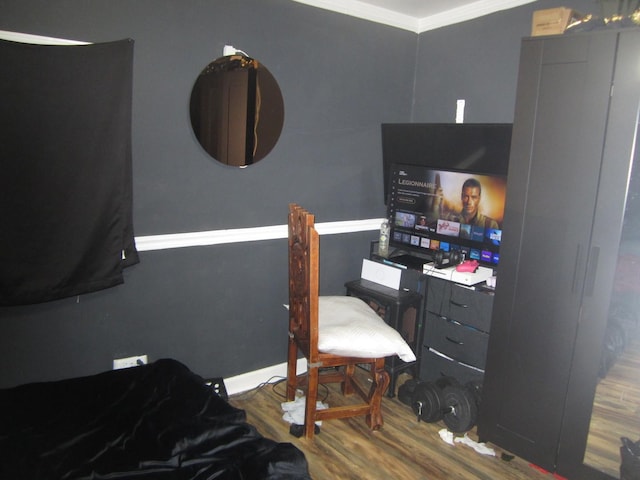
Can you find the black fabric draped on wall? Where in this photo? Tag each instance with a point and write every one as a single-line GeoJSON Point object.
{"type": "Point", "coordinates": [66, 223]}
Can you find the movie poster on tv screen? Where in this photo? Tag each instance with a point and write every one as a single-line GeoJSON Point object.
{"type": "Point", "coordinates": [441, 209]}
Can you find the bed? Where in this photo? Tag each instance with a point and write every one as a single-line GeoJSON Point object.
{"type": "Point", "coordinates": [157, 421]}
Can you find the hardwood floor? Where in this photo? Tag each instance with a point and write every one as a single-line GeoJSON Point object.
{"type": "Point", "coordinates": [616, 411]}
{"type": "Point", "coordinates": [403, 449]}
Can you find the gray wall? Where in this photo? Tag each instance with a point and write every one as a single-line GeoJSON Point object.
{"type": "Point", "coordinates": [476, 61]}
{"type": "Point", "coordinates": [219, 308]}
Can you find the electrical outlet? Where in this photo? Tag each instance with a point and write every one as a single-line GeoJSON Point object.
{"type": "Point", "coordinates": [127, 362]}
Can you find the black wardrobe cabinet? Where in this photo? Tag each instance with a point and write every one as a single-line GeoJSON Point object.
{"type": "Point", "coordinates": [572, 151]}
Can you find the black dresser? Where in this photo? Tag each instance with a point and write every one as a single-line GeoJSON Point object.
{"type": "Point", "coordinates": [456, 332]}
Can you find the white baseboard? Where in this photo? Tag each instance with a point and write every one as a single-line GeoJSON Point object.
{"type": "Point", "coordinates": [250, 380]}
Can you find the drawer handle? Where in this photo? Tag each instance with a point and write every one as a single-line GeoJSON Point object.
{"type": "Point", "coordinates": [457, 342]}
{"type": "Point", "coordinates": [461, 305]}
{"type": "Point", "coordinates": [451, 321]}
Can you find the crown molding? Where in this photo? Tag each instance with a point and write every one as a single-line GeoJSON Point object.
{"type": "Point", "coordinates": [470, 11]}
{"type": "Point", "coordinates": [392, 18]}
{"type": "Point", "coordinates": [366, 11]}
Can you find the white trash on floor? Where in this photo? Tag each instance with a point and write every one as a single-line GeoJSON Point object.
{"type": "Point", "coordinates": [294, 410]}
{"type": "Point", "coordinates": [481, 448]}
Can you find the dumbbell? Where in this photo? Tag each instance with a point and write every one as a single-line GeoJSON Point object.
{"type": "Point", "coordinates": [460, 410]}
{"type": "Point", "coordinates": [445, 399]}
{"type": "Point", "coordinates": [427, 402]}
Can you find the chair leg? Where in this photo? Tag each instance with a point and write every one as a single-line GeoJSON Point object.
{"type": "Point", "coordinates": [313, 374]}
{"type": "Point", "coordinates": [380, 384]}
{"type": "Point", "coordinates": [292, 362]}
{"type": "Point", "coordinates": [347, 384]}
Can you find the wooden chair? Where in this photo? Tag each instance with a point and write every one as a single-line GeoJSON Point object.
{"type": "Point", "coordinates": [303, 337]}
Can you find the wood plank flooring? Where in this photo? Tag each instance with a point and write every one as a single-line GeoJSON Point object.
{"type": "Point", "coordinates": [403, 449]}
{"type": "Point", "coordinates": [616, 411]}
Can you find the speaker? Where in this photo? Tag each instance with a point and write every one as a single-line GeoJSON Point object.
{"type": "Point", "coordinates": [386, 272]}
{"type": "Point", "coordinates": [443, 259]}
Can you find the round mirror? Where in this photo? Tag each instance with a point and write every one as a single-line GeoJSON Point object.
{"type": "Point", "coordinates": [236, 110]}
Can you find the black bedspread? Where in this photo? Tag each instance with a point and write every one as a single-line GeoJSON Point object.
{"type": "Point", "coordinates": [158, 421]}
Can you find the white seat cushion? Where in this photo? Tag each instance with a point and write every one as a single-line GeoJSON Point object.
{"type": "Point", "coordinates": [348, 326]}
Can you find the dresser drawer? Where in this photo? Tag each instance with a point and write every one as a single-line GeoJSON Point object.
{"type": "Point", "coordinates": [437, 290]}
{"type": "Point", "coordinates": [456, 340]}
{"type": "Point", "coordinates": [457, 302]}
{"type": "Point", "coordinates": [434, 366]}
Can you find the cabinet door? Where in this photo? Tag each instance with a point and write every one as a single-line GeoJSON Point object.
{"type": "Point", "coordinates": [620, 155]}
{"type": "Point", "coordinates": [559, 127]}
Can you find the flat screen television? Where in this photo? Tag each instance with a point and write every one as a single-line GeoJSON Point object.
{"type": "Point", "coordinates": [474, 147]}
{"type": "Point", "coordinates": [432, 209]}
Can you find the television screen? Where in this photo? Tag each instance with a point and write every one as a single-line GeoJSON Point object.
{"type": "Point", "coordinates": [474, 147]}
{"type": "Point", "coordinates": [433, 209]}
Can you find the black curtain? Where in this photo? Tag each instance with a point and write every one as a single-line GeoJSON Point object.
{"type": "Point", "coordinates": [65, 169]}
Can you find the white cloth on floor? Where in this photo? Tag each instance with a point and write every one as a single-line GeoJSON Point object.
{"type": "Point", "coordinates": [294, 410]}
{"type": "Point", "coordinates": [446, 435]}
{"type": "Point", "coordinates": [482, 448]}
{"type": "Point", "coordinates": [478, 447]}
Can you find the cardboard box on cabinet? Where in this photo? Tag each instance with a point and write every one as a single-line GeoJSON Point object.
{"type": "Point", "coordinates": [552, 21]}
